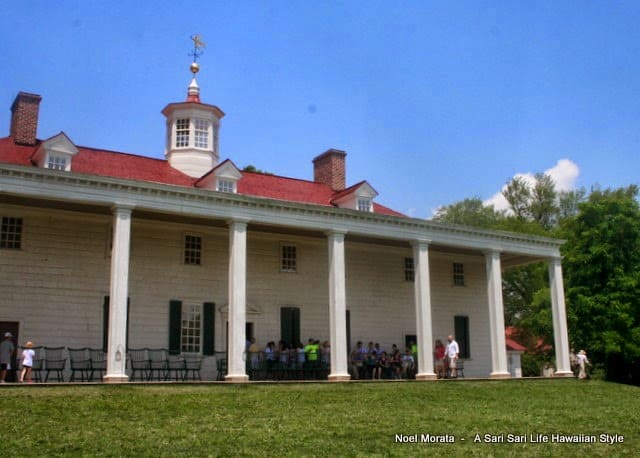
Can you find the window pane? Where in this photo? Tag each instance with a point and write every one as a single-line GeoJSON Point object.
{"type": "Point", "coordinates": [192, 249]}
{"type": "Point", "coordinates": [225, 186]}
{"type": "Point", "coordinates": [182, 133]}
{"type": "Point", "coordinates": [57, 162]}
{"type": "Point", "coordinates": [364, 205]}
{"type": "Point", "coordinates": [458, 274]}
{"type": "Point", "coordinates": [11, 233]}
{"type": "Point", "coordinates": [190, 330]}
{"type": "Point", "coordinates": [201, 133]}
{"type": "Point", "coordinates": [289, 259]}
{"type": "Point", "coordinates": [409, 269]}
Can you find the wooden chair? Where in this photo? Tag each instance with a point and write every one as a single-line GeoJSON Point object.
{"type": "Point", "coordinates": [80, 362]}
{"type": "Point", "coordinates": [54, 361]}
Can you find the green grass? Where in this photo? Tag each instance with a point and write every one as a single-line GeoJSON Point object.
{"type": "Point", "coordinates": [354, 419]}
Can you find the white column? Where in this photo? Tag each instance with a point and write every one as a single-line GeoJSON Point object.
{"type": "Point", "coordinates": [237, 371]}
{"type": "Point", "coordinates": [424, 334]}
{"type": "Point", "coordinates": [118, 294]}
{"type": "Point", "coordinates": [558, 308]}
{"type": "Point", "coordinates": [337, 308]}
{"type": "Point", "coordinates": [499, 368]}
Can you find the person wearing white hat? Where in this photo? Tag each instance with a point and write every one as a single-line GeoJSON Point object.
{"type": "Point", "coordinates": [6, 352]}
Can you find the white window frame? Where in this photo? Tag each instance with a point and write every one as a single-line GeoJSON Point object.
{"type": "Point", "coordinates": [9, 234]}
{"type": "Point", "coordinates": [364, 204]}
{"type": "Point", "coordinates": [458, 274]}
{"type": "Point", "coordinates": [226, 185]}
{"type": "Point", "coordinates": [191, 322]}
{"type": "Point", "coordinates": [183, 133]}
{"type": "Point", "coordinates": [57, 161]}
{"type": "Point", "coordinates": [201, 133]}
{"type": "Point", "coordinates": [191, 253]}
{"type": "Point", "coordinates": [288, 262]}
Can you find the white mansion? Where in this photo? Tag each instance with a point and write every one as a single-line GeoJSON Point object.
{"type": "Point", "coordinates": [192, 254]}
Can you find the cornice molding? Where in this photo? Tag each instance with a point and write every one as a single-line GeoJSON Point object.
{"type": "Point", "coordinates": [100, 190]}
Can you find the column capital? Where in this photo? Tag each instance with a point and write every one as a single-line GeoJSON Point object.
{"type": "Point", "coordinates": [122, 207]}
{"type": "Point", "coordinates": [420, 242]}
{"type": "Point", "coordinates": [336, 232]}
{"type": "Point", "coordinates": [556, 259]}
{"type": "Point", "coordinates": [492, 252]}
{"type": "Point", "coordinates": [238, 222]}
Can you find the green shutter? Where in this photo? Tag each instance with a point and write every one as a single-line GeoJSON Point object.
{"type": "Point", "coordinates": [209, 326]}
{"type": "Point", "coordinates": [105, 323]}
{"type": "Point", "coordinates": [290, 325]}
{"type": "Point", "coordinates": [461, 326]}
{"type": "Point", "coordinates": [175, 326]}
{"type": "Point", "coordinates": [348, 321]}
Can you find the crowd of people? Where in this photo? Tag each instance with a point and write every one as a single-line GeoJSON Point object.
{"type": "Point", "coordinates": [312, 360]}
{"type": "Point", "coordinates": [374, 362]}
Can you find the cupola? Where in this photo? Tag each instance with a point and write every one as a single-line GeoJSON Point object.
{"type": "Point", "coordinates": [192, 128]}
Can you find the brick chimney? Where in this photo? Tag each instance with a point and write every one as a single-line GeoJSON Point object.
{"type": "Point", "coordinates": [24, 118]}
{"type": "Point", "coordinates": [329, 168]}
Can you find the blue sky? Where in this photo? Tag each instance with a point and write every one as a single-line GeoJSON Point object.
{"type": "Point", "coordinates": [433, 101]}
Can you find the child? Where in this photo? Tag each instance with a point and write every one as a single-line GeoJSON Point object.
{"type": "Point", "coordinates": [27, 361]}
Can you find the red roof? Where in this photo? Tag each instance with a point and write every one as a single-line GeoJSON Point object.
{"type": "Point", "coordinates": [140, 168]}
{"type": "Point", "coordinates": [512, 332]}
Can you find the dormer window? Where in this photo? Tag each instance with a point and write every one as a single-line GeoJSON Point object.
{"type": "Point", "coordinates": [357, 197]}
{"type": "Point", "coordinates": [223, 178]}
{"type": "Point", "coordinates": [226, 185]}
{"type": "Point", "coordinates": [364, 204]}
{"type": "Point", "coordinates": [55, 153]}
{"type": "Point", "coordinates": [57, 162]}
{"type": "Point", "coordinates": [182, 133]}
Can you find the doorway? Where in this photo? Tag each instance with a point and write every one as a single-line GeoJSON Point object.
{"type": "Point", "coordinates": [14, 328]}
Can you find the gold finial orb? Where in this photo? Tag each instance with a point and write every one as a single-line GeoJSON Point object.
{"type": "Point", "coordinates": [195, 68]}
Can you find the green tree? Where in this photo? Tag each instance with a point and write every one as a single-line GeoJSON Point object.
{"type": "Point", "coordinates": [602, 269]}
{"type": "Point", "coordinates": [469, 212]}
{"type": "Point", "coordinates": [537, 202]}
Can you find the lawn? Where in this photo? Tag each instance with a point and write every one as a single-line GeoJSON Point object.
{"type": "Point", "coordinates": [319, 419]}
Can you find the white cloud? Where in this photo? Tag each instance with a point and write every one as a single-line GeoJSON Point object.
{"type": "Point", "coordinates": [564, 175]}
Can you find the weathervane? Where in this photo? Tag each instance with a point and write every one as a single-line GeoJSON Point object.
{"type": "Point", "coordinates": [198, 49]}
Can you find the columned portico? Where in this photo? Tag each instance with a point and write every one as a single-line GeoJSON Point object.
{"type": "Point", "coordinates": [118, 293]}
{"type": "Point", "coordinates": [424, 333]}
{"type": "Point", "coordinates": [499, 368]}
{"type": "Point", "coordinates": [337, 308]}
{"type": "Point", "coordinates": [237, 301]}
{"type": "Point", "coordinates": [561, 338]}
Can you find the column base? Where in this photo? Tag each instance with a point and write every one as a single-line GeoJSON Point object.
{"type": "Point", "coordinates": [499, 375]}
{"type": "Point", "coordinates": [339, 377]}
{"type": "Point", "coordinates": [115, 378]}
{"type": "Point", "coordinates": [236, 378]}
{"type": "Point", "coordinates": [426, 376]}
{"type": "Point", "coordinates": [563, 374]}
